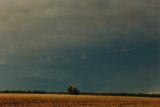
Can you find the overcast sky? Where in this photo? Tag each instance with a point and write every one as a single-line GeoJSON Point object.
{"type": "Point", "coordinates": [98, 45]}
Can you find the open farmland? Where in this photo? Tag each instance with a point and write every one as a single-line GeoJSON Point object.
{"type": "Point", "coordinates": [52, 100]}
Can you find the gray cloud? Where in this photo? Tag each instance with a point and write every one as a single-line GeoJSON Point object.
{"type": "Point", "coordinates": [4, 63]}
{"type": "Point", "coordinates": [40, 25]}
{"type": "Point", "coordinates": [46, 34]}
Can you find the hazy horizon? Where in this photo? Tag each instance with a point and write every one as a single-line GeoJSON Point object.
{"type": "Point", "coordinates": [97, 45]}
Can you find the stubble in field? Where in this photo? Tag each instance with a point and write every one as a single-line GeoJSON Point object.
{"type": "Point", "coordinates": [49, 100]}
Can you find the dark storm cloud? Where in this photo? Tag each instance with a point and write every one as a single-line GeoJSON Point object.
{"type": "Point", "coordinates": [58, 37]}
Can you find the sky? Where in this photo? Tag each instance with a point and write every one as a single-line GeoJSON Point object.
{"type": "Point", "coordinates": [97, 45]}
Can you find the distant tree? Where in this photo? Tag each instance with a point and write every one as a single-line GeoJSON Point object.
{"type": "Point", "coordinates": [29, 91]}
{"type": "Point", "coordinates": [73, 90]}
{"type": "Point", "coordinates": [6, 91]}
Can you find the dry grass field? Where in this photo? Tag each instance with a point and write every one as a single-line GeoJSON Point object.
{"type": "Point", "coordinates": [51, 100]}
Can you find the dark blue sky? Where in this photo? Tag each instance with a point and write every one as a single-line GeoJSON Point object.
{"type": "Point", "coordinates": [98, 45]}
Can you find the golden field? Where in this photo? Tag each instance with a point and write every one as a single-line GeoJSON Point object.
{"type": "Point", "coordinates": [53, 100]}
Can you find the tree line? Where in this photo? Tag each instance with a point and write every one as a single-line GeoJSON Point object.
{"type": "Point", "coordinates": [72, 90]}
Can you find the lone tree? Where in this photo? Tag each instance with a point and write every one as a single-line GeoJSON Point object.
{"type": "Point", "coordinates": [73, 90]}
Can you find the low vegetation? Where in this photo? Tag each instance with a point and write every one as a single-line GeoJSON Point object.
{"type": "Point", "coordinates": [74, 91]}
{"type": "Point", "coordinates": [54, 100]}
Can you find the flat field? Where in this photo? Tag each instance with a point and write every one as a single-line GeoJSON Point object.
{"type": "Point", "coordinates": [53, 100]}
